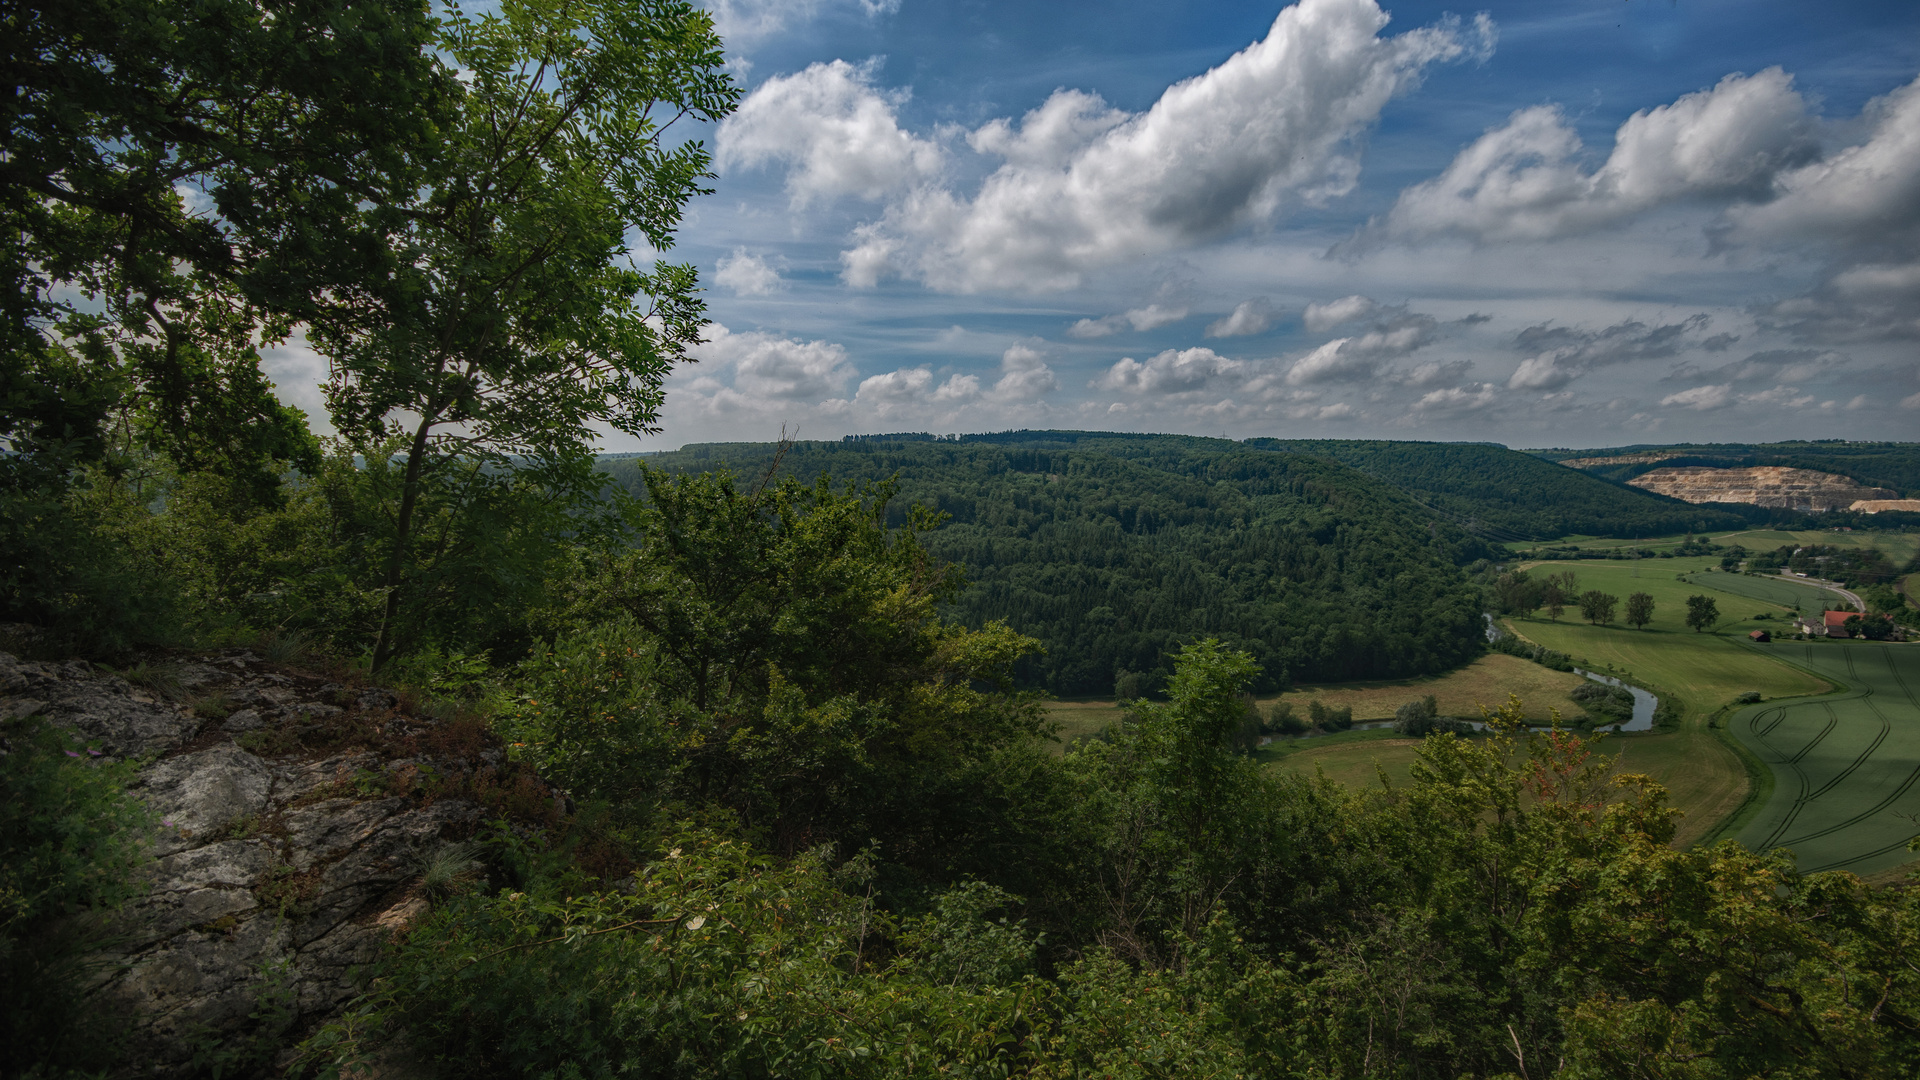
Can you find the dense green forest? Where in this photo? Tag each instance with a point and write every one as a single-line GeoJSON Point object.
{"type": "Point", "coordinates": [1875, 464]}
{"type": "Point", "coordinates": [803, 821]}
{"type": "Point", "coordinates": [1113, 550]}
{"type": "Point", "coordinates": [1506, 495]}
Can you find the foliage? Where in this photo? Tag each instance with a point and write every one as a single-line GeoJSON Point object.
{"type": "Point", "coordinates": [1851, 566]}
{"type": "Point", "coordinates": [1886, 600]}
{"type": "Point", "coordinates": [164, 160]}
{"type": "Point", "coordinates": [1604, 704]}
{"type": "Point", "coordinates": [1507, 496]}
{"type": "Point", "coordinates": [1113, 551]}
{"type": "Point", "coordinates": [1598, 607]}
{"type": "Point", "coordinates": [62, 571]}
{"type": "Point", "coordinates": [1702, 612]}
{"type": "Point", "coordinates": [1330, 717]}
{"type": "Point", "coordinates": [1639, 610]}
{"type": "Point", "coordinates": [774, 650]}
{"type": "Point", "coordinates": [511, 320]}
{"type": "Point", "coordinates": [313, 566]}
{"type": "Point", "coordinates": [1421, 717]}
{"type": "Point", "coordinates": [1539, 654]}
{"type": "Point", "coordinates": [71, 843]}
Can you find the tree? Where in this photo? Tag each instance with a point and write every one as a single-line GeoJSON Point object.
{"type": "Point", "coordinates": [1702, 612]}
{"type": "Point", "coordinates": [132, 300]}
{"type": "Point", "coordinates": [1597, 607]}
{"type": "Point", "coordinates": [513, 319]}
{"type": "Point", "coordinates": [1554, 599]}
{"type": "Point", "coordinates": [1639, 610]}
{"type": "Point", "coordinates": [1869, 627]}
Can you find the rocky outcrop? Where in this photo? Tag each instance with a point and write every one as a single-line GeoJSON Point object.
{"type": "Point", "coordinates": [295, 815]}
{"type": "Point", "coordinates": [1764, 485]}
{"type": "Point", "coordinates": [1875, 506]}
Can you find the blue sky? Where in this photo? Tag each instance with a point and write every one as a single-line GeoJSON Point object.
{"type": "Point", "coordinates": [1583, 223]}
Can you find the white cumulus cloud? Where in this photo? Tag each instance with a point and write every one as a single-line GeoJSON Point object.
{"type": "Point", "coordinates": [1175, 371]}
{"type": "Point", "coordinates": [1524, 180]}
{"type": "Point", "coordinates": [1253, 316]}
{"type": "Point", "coordinates": [1360, 356]}
{"type": "Point", "coordinates": [767, 368]}
{"type": "Point", "coordinates": [747, 274]}
{"type": "Point", "coordinates": [1083, 186]}
{"type": "Point", "coordinates": [1321, 318]}
{"type": "Point", "coordinates": [1860, 194]}
{"type": "Point", "coordinates": [1702, 398]}
{"type": "Point", "coordinates": [1024, 375]}
{"type": "Point", "coordinates": [832, 130]}
{"type": "Point", "coordinates": [1149, 317]}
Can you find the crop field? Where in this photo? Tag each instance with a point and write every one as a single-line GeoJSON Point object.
{"type": "Point", "coordinates": [1846, 767]}
{"type": "Point", "coordinates": [1701, 672]}
{"type": "Point", "coordinates": [1773, 590]}
{"type": "Point", "coordinates": [1899, 546]}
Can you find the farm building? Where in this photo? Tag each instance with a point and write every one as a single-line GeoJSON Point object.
{"type": "Point", "coordinates": [1760, 635]}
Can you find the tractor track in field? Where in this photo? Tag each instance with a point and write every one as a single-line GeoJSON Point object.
{"type": "Point", "coordinates": [1805, 798]}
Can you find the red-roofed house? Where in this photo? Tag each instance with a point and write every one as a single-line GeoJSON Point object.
{"type": "Point", "coordinates": [1836, 621]}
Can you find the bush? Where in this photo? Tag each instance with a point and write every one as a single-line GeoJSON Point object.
{"type": "Point", "coordinates": [1327, 718]}
{"type": "Point", "coordinates": [1418, 719]}
{"type": "Point", "coordinates": [71, 842]}
{"type": "Point", "coordinates": [1281, 720]}
{"type": "Point", "coordinates": [63, 571]}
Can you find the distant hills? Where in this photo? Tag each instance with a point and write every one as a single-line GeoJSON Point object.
{"type": "Point", "coordinates": [1510, 496]}
{"type": "Point", "coordinates": [1870, 464]}
{"type": "Point", "coordinates": [1327, 559]}
{"type": "Point", "coordinates": [1115, 549]}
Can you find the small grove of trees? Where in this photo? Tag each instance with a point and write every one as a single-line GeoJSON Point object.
{"type": "Point", "coordinates": [1421, 718]}
{"type": "Point", "coordinates": [1702, 612]}
{"type": "Point", "coordinates": [1598, 607]}
{"type": "Point", "coordinates": [1870, 627]}
{"type": "Point", "coordinates": [1639, 610]}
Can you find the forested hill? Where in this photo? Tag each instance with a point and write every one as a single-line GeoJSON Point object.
{"type": "Point", "coordinates": [1874, 464]}
{"type": "Point", "coordinates": [1507, 495]}
{"type": "Point", "coordinates": [1112, 550]}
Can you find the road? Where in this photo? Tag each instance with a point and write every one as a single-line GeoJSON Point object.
{"type": "Point", "coordinates": [1852, 598]}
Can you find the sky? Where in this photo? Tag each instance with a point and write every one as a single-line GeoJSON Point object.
{"type": "Point", "coordinates": [1551, 223]}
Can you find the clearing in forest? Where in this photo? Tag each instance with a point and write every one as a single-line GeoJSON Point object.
{"type": "Point", "coordinates": [1846, 792]}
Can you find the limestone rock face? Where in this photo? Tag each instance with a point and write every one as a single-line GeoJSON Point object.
{"type": "Point", "coordinates": [278, 869]}
{"type": "Point", "coordinates": [1763, 485]}
{"type": "Point", "coordinates": [1874, 506]}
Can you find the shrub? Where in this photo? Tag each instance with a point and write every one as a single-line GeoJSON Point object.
{"type": "Point", "coordinates": [71, 842]}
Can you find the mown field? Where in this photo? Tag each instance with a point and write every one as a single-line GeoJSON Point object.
{"type": "Point", "coordinates": [1669, 582]}
{"type": "Point", "coordinates": [1847, 766]}
{"type": "Point", "coordinates": [1487, 681]}
{"type": "Point", "coordinates": [1354, 759]}
{"type": "Point", "coordinates": [1808, 599]}
{"type": "Point", "coordinates": [1701, 671]}
{"type": "Point", "coordinates": [1898, 546]}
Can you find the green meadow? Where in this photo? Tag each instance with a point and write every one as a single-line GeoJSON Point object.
{"type": "Point", "coordinates": [1700, 672]}
{"type": "Point", "coordinates": [1808, 599]}
{"type": "Point", "coordinates": [1898, 546]}
{"type": "Point", "coordinates": [1846, 793]}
